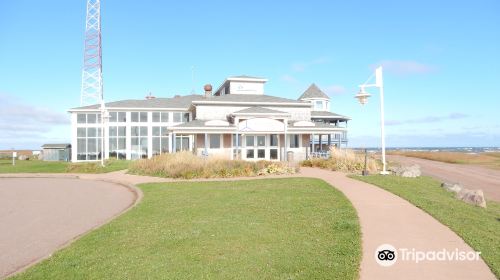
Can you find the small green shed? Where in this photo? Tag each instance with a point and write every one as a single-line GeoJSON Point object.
{"type": "Point", "coordinates": [56, 152]}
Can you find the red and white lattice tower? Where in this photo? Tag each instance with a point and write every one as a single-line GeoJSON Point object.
{"type": "Point", "coordinates": [92, 57]}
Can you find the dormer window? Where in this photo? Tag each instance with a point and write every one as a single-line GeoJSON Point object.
{"type": "Point", "coordinates": [318, 105]}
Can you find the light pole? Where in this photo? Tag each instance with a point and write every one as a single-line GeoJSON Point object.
{"type": "Point", "coordinates": [362, 96]}
{"type": "Point", "coordinates": [104, 117]}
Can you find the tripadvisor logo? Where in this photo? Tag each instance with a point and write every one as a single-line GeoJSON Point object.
{"type": "Point", "coordinates": [387, 255]}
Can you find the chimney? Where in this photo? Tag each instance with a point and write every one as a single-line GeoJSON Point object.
{"type": "Point", "coordinates": [208, 90]}
{"type": "Point", "coordinates": [150, 96]}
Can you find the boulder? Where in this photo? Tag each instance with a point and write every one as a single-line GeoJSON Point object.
{"type": "Point", "coordinates": [408, 171]}
{"type": "Point", "coordinates": [23, 157]}
{"type": "Point", "coordinates": [456, 188]}
{"type": "Point", "coordinates": [474, 197]}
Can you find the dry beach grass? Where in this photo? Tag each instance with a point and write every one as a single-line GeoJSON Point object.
{"type": "Point", "coordinates": [344, 160]}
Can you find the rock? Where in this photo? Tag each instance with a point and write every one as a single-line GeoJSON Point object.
{"type": "Point", "coordinates": [408, 171]}
{"type": "Point", "coordinates": [474, 197]}
{"type": "Point", "coordinates": [456, 188]}
{"type": "Point", "coordinates": [23, 157]}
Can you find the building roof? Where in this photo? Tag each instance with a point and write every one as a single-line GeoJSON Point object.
{"type": "Point", "coordinates": [249, 98]}
{"type": "Point", "coordinates": [259, 110]}
{"type": "Point", "coordinates": [313, 92]}
{"type": "Point", "coordinates": [56, 146]}
{"type": "Point", "coordinates": [245, 77]}
{"type": "Point", "coordinates": [327, 115]}
{"type": "Point", "coordinates": [180, 102]}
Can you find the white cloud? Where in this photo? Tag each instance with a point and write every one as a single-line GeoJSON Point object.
{"type": "Point", "coordinates": [302, 66]}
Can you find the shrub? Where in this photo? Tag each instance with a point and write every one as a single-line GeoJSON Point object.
{"type": "Point", "coordinates": [189, 166]}
{"type": "Point", "coordinates": [344, 160]}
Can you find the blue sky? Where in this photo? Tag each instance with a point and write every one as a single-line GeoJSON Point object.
{"type": "Point", "coordinates": [441, 61]}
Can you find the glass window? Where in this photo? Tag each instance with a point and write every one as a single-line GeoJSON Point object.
{"type": "Point", "coordinates": [156, 145]}
{"type": "Point", "coordinates": [81, 118]}
{"type": "Point", "coordinates": [113, 131]}
{"type": "Point", "coordinates": [164, 144]}
{"type": "Point", "coordinates": [164, 116]}
{"type": "Point", "coordinates": [91, 132]}
{"type": "Point", "coordinates": [239, 140]}
{"type": "Point", "coordinates": [122, 116]}
{"type": "Point", "coordinates": [156, 131]}
{"type": "Point", "coordinates": [214, 141]}
{"type": "Point", "coordinates": [164, 131]}
{"type": "Point", "coordinates": [185, 143]}
{"type": "Point", "coordinates": [81, 132]}
{"type": "Point", "coordinates": [250, 141]}
{"type": "Point", "coordinates": [273, 153]}
{"type": "Point", "coordinates": [185, 117]}
{"type": "Point", "coordinates": [91, 118]}
{"type": "Point", "coordinates": [144, 131]}
{"type": "Point", "coordinates": [261, 140]}
{"type": "Point", "coordinates": [294, 140]}
{"type": "Point", "coordinates": [250, 153]}
{"type": "Point", "coordinates": [177, 117]}
{"type": "Point", "coordinates": [273, 140]}
{"type": "Point", "coordinates": [121, 131]}
{"type": "Point", "coordinates": [113, 116]}
{"type": "Point", "coordinates": [261, 153]}
{"type": "Point", "coordinates": [143, 116]}
{"type": "Point", "coordinates": [156, 116]}
{"type": "Point", "coordinates": [318, 105]}
{"type": "Point", "coordinates": [134, 116]}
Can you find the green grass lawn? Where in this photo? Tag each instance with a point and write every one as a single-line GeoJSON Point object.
{"type": "Point", "coordinates": [297, 228]}
{"type": "Point", "coordinates": [479, 227]}
{"type": "Point", "coordinates": [39, 166]}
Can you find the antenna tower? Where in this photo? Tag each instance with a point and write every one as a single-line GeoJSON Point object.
{"type": "Point", "coordinates": [91, 92]}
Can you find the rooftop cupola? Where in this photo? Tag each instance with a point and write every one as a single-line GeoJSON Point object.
{"type": "Point", "coordinates": [319, 99]}
{"type": "Point", "coordinates": [241, 85]}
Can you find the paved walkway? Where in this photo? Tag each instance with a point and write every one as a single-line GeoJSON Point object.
{"type": "Point", "coordinates": [470, 176]}
{"type": "Point", "coordinates": [40, 215]}
{"type": "Point", "coordinates": [388, 219]}
{"type": "Point", "coordinates": [385, 219]}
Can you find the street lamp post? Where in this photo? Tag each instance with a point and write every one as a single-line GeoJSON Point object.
{"type": "Point", "coordinates": [104, 117]}
{"type": "Point", "coordinates": [363, 96]}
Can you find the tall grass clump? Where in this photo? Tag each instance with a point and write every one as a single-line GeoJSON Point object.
{"type": "Point", "coordinates": [186, 165]}
{"type": "Point", "coordinates": [344, 160]}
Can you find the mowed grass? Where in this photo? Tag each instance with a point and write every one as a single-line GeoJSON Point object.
{"type": "Point", "coordinates": [491, 160]}
{"type": "Point", "coordinates": [479, 227]}
{"type": "Point", "coordinates": [293, 228]}
{"type": "Point", "coordinates": [39, 166]}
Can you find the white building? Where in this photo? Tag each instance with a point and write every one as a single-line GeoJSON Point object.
{"type": "Point", "coordinates": [237, 121]}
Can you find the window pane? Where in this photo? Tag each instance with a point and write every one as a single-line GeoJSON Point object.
{"type": "Point", "coordinates": [156, 116]}
{"type": "Point", "coordinates": [250, 141]}
{"type": "Point", "coordinates": [177, 117]}
{"type": "Point", "coordinates": [273, 153]}
{"type": "Point", "coordinates": [261, 140]}
{"type": "Point", "coordinates": [164, 144]}
{"type": "Point", "coordinates": [185, 143]}
{"type": "Point", "coordinates": [91, 132]}
{"type": "Point", "coordinates": [121, 131]}
{"type": "Point", "coordinates": [92, 145]}
{"type": "Point", "coordinates": [164, 117]}
{"type": "Point", "coordinates": [156, 145]}
{"type": "Point", "coordinates": [113, 131]}
{"type": "Point", "coordinates": [113, 116]}
{"type": "Point", "coordinates": [91, 118]}
{"type": "Point", "coordinates": [81, 118]}
{"type": "Point", "coordinates": [214, 141]}
{"type": "Point", "coordinates": [134, 116]}
{"type": "Point", "coordinates": [122, 144]}
{"type": "Point", "coordinates": [261, 153]}
{"type": "Point", "coordinates": [144, 131]}
{"type": "Point", "coordinates": [81, 132]}
{"type": "Point", "coordinates": [113, 144]}
{"type": "Point", "coordinates": [274, 140]}
{"type": "Point", "coordinates": [134, 131]}
{"type": "Point", "coordinates": [294, 140]}
{"type": "Point", "coordinates": [81, 146]}
{"type": "Point", "coordinates": [156, 131]}
{"type": "Point", "coordinates": [164, 131]}
{"type": "Point", "coordinates": [177, 143]}
{"type": "Point", "coordinates": [122, 116]}
{"type": "Point", "coordinates": [250, 153]}
{"type": "Point", "coordinates": [144, 116]}
{"type": "Point", "coordinates": [239, 140]}
{"type": "Point", "coordinates": [185, 117]}
{"type": "Point", "coordinates": [135, 141]}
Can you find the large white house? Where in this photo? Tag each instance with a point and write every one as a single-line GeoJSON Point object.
{"type": "Point", "coordinates": [236, 121]}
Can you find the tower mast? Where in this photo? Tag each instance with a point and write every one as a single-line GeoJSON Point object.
{"type": "Point", "coordinates": [91, 91]}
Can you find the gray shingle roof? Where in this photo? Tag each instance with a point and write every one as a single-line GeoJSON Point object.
{"type": "Point", "coordinates": [251, 98]}
{"type": "Point", "coordinates": [56, 146]}
{"type": "Point", "coordinates": [326, 114]}
{"type": "Point", "coordinates": [174, 102]}
{"type": "Point", "coordinates": [258, 110]}
{"type": "Point", "coordinates": [313, 92]}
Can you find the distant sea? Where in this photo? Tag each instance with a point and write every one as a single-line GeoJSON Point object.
{"type": "Point", "coordinates": [470, 150]}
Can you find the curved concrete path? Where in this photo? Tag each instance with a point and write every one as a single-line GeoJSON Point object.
{"type": "Point", "coordinates": [388, 219]}
{"type": "Point", "coordinates": [40, 215]}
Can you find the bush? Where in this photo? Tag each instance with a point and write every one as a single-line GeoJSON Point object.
{"type": "Point", "coordinates": [343, 160]}
{"type": "Point", "coordinates": [189, 166]}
